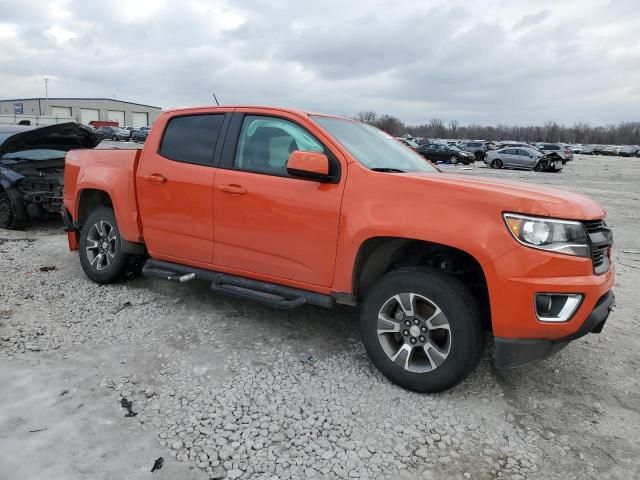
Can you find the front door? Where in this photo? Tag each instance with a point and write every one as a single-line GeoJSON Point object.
{"type": "Point", "coordinates": [268, 223]}
{"type": "Point", "coordinates": [175, 188]}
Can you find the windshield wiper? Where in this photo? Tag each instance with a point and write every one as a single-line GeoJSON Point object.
{"type": "Point", "coordinates": [388, 170]}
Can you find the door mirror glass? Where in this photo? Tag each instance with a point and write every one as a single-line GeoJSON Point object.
{"type": "Point", "coordinates": [310, 165]}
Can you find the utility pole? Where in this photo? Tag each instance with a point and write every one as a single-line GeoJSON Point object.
{"type": "Point", "coordinates": [46, 94]}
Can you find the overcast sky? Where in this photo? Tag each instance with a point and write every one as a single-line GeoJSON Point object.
{"type": "Point", "coordinates": [488, 61]}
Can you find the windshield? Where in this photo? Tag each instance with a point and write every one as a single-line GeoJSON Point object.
{"type": "Point", "coordinates": [372, 147]}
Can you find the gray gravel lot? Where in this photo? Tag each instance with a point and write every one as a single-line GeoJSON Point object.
{"type": "Point", "coordinates": [226, 388]}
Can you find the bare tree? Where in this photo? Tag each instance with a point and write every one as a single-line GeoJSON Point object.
{"type": "Point", "coordinates": [624, 133]}
{"type": "Point", "coordinates": [390, 124]}
{"type": "Point", "coordinates": [368, 116]}
{"type": "Point", "coordinates": [437, 128]}
{"type": "Point", "coordinates": [453, 128]}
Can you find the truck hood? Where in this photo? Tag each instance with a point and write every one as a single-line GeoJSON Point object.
{"type": "Point", "coordinates": [525, 198]}
{"type": "Point", "coordinates": [63, 136]}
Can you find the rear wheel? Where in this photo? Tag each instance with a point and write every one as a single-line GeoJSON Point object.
{"type": "Point", "coordinates": [8, 217]}
{"type": "Point", "coordinates": [479, 156]}
{"type": "Point", "coordinates": [497, 163]}
{"type": "Point", "coordinates": [101, 248]}
{"type": "Point", "coordinates": [422, 329]}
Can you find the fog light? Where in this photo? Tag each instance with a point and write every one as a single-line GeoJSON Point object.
{"type": "Point", "coordinates": [556, 307]}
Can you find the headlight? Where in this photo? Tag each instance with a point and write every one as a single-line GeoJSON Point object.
{"type": "Point", "coordinates": [558, 236]}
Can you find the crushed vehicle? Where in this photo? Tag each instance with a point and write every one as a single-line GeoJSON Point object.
{"type": "Point", "coordinates": [290, 208]}
{"type": "Point", "coordinates": [32, 169]}
{"type": "Point", "coordinates": [525, 158]}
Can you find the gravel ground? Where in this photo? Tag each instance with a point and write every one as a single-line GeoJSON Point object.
{"type": "Point", "coordinates": [223, 388]}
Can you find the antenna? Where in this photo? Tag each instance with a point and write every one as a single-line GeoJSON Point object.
{"type": "Point", "coordinates": [216, 99]}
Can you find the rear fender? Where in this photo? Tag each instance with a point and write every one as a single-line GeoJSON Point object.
{"type": "Point", "coordinates": [111, 172]}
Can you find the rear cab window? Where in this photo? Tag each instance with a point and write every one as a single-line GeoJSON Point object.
{"type": "Point", "coordinates": [192, 138]}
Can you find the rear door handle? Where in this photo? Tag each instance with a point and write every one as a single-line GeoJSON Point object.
{"type": "Point", "coordinates": [235, 189]}
{"type": "Point", "coordinates": [155, 178]}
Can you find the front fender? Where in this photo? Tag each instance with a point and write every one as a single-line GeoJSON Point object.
{"type": "Point", "coordinates": [8, 178]}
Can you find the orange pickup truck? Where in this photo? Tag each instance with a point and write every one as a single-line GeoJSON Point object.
{"type": "Point", "coordinates": [291, 208]}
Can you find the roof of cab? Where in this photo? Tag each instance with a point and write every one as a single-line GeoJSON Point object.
{"type": "Point", "coordinates": [208, 108]}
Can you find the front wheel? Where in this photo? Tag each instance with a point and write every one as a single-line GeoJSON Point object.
{"type": "Point", "coordinates": [101, 248]}
{"type": "Point", "coordinates": [497, 163]}
{"type": "Point", "coordinates": [8, 218]}
{"type": "Point", "coordinates": [453, 160]}
{"type": "Point", "coordinates": [422, 329]}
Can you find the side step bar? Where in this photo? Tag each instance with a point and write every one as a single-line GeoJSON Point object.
{"type": "Point", "coordinates": [277, 296]}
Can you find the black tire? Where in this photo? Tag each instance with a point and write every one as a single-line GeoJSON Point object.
{"type": "Point", "coordinates": [497, 163]}
{"type": "Point", "coordinates": [120, 265]}
{"type": "Point", "coordinates": [479, 156]}
{"type": "Point", "coordinates": [466, 340]}
{"type": "Point", "coordinates": [453, 160]}
{"type": "Point", "coordinates": [538, 167]}
{"type": "Point", "coordinates": [8, 218]}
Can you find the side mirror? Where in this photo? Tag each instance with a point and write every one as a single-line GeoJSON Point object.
{"type": "Point", "coordinates": [309, 165]}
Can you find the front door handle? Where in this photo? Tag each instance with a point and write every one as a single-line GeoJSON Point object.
{"type": "Point", "coordinates": [234, 189]}
{"type": "Point", "coordinates": [155, 178]}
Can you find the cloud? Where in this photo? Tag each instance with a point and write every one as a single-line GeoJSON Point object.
{"type": "Point", "coordinates": [492, 61]}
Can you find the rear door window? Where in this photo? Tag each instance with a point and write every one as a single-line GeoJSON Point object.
{"type": "Point", "coordinates": [192, 138]}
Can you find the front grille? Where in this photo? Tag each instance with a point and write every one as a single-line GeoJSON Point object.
{"type": "Point", "coordinates": [600, 240]}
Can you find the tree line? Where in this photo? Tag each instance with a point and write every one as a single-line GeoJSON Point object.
{"type": "Point", "coordinates": [624, 133]}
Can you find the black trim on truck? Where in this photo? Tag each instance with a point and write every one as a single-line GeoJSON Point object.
{"type": "Point", "coordinates": [514, 352]}
{"type": "Point", "coordinates": [274, 295]}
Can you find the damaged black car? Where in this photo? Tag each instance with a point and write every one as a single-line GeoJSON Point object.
{"type": "Point", "coordinates": [32, 169]}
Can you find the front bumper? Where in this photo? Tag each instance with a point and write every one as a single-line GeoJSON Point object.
{"type": "Point", "coordinates": [513, 353]}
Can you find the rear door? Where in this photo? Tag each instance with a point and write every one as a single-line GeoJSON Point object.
{"type": "Point", "coordinates": [175, 186]}
{"type": "Point", "coordinates": [508, 155]}
{"type": "Point", "coordinates": [269, 224]}
{"type": "Point", "coordinates": [521, 159]}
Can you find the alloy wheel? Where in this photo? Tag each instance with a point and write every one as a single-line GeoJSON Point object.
{"type": "Point", "coordinates": [414, 333]}
{"type": "Point", "coordinates": [101, 245]}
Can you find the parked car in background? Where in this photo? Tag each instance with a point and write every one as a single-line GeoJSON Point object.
{"type": "Point", "coordinates": [561, 150]}
{"type": "Point", "coordinates": [441, 152]}
{"type": "Point", "coordinates": [130, 130]}
{"type": "Point", "coordinates": [608, 150]}
{"type": "Point", "coordinates": [113, 133]}
{"type": "Point", "coordinates": [627, 150]}
{"type": "Point", "coordinates": [584, 149]}
{"type": "Point", "coordinates": [476, 148]}
{"type": "Point", "coordinates": [514, 145]}
{"type": "Point", "coordinates": [140, 135]}
{"type": "Point", "coordinates": [408, 142]}
{"type": "Point", "coordinates": [523, 158]}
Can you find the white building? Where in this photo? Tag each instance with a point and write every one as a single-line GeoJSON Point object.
{"type": "Point", "coordinates": [43, 111]}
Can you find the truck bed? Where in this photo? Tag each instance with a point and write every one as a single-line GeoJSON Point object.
{"type": "Point", "coordinates": [86, 170]}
